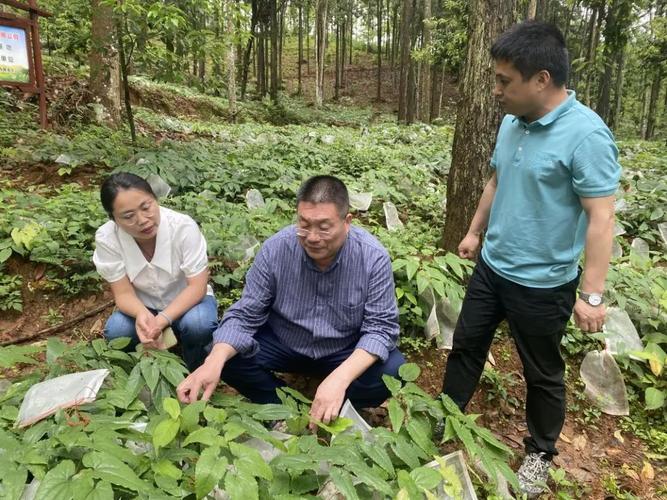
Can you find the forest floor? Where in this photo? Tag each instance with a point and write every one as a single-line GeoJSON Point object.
{"type": "Point", "coordinates": [601, 458]}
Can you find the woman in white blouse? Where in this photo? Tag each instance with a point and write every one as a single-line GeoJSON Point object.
{"type": "Point", "coordinates": [156, 264]}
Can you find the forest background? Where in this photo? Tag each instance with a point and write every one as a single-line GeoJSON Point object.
{"type": "Point", "coordinates": [218, 97]}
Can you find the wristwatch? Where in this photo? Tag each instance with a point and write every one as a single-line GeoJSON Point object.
{"type": "Point", "coordinates": [593, 299]}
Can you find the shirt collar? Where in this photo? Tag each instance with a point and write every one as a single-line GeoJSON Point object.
{"type": "Point", "coordinates": [555, 113]}
{"type": "Point", "coordinates": [135, 260]}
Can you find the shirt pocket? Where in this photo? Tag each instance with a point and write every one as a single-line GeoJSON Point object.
{"type": "Point", "coordinates": [347, 318]}
{"type": "Point", "coordinates": [547, 169]}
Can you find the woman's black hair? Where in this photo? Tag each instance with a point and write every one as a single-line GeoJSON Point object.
{"type": "Point", "coordinates": [121, 181]}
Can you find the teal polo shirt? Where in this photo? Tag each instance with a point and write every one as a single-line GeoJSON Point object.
{"type": "Point", "coordinates": [537, 226]}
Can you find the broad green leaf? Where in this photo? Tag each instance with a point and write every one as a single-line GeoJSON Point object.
{"type": "Point", "coordinates": [150, 372]}
{"type": "Point", "coordinates": [165, 467]}
{"type": "Point", "coordinates": [337, 426]}
{"type": "Point", "coordinates": [343, 481]}
{"type": "Point", "coordinates": [396, 414]}
{"type": "Point", "coordinates": [54, 349]}
{"type": "Point", "coordinates": [190, 415]}
{"type": "Point", "coordinates": [165, 432]}
{"type": "Point", "coordinates": [419, 434]}
{"type": "Point", "coordinates": [272, 411]}
{"type": "Point", "coordinates": [411, 267]}
{"type": "Point", "coordinates": [426, 477]}
{"type": "Point", "coordinates": [109, 468]}
{"type": "Point", "coordinates": [205, 435]}
{"type": "Point", "coordinates": [173, 372]}
{"type": "Point", "coordinates": [13, 482]}
{"type": "Point", "coordinates": [655, 398]}
{"type": "Point", "coordinates": [407, 483]}
{"type": "Point", "coordinates": [409, 372]}
{"type": "Point", "coordinates": [392, 384]}
{"type": "Point", "coordinates": [57, 482]}
{"type": "Point", "coordinates": [172, 407]}
{"type": "Point", "coordinates": [249, 460]}
{"type": "Point", "coordinates": [372, 478]}
{"type": "Point", "coordinates": [379, 455]}
{"type": "Point", "coordinates": [406, 452]}
{"type": "Point", "coordinates": [210, 469]}
{"type": "Point", "coordinates": [295, 394]}
{"type": "Point", "coordinates": [242, 486]}
{"type": "Point", "coordinates": [101, 491]}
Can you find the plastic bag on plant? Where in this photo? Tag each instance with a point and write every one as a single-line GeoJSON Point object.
{"type": "Point", "coordinates": [456, 461]}
{"type": "Point", "coordinates": [46, 398]}
{"type": "Point", "coordinates": [359, 424]}
{"type": "Point", "coordinates": [616, 249]}
{"type": "Point", "coordinates": [391, 216]}
{"type": "Point", "coordinates": [158, 185]}
{"type": "Point", "coordinates": [662, 229]}
{"type": "Point", "coordinates": [361, 201]}
{"type": "Point", "coordinates": [620, 334]}
{"type": "Point", "coordinates": [639, 248]}
{"type": "Point", "coordinates": [604, 383]}
{"type": "Point", "coordinates": [254, 199]}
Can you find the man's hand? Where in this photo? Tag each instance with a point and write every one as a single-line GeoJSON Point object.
{"type": "Point", "coordinates": [588, 318]}
{"type": "Point", "coordinates": [205, 378]}
{"type": "Point", "coordinates": [469, 246]}
{"type": "Point", "coordinates": [147, 327]}
{"type": "Point", "coordinates": [328, 399]}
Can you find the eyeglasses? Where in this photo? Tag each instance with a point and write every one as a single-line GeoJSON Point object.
{"type": "Point", "coordinates": [147, 209]}
{"type": "Point", "coordinates": [304, 233]}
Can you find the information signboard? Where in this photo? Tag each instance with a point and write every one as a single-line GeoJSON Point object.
{"type": "Point", "coordinates": [14, 55]}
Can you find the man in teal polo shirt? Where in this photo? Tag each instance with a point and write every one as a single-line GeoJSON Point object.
{"type": "Point", "coordinates": [551, 196]}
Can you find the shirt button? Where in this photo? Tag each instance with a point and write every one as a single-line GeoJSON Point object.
{"type": "Point", "coordinates": [527, 132]}
{"type": "Point", "coordinates": [520, 148]}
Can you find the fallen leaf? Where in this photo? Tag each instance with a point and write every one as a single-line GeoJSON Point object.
{"type": "Point", "coordinates": [619, 436]}
{"type": "Point", "coordinates": [491, 359]}
{"type": "Point", "coordinates": [97, 326]}
{"type": "Point", "coordinates": [656, 367]}
{"type": "Point", "coordinates": [648, 474]}
{"type": "Point", "coordinates": [39, 272]}
{"type": "Point", "coordinates": [613, 451]}
{"type": "Point", "coordinates": [630, 472]}
{"type": "Point", "coordinates": [579, 442]}
{"type": "Point", "coordinates": [565, 439]}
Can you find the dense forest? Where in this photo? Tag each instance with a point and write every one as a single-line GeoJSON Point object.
{"type": "Point", "coordinates": [226, 107]}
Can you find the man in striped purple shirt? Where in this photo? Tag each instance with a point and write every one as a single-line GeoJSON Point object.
{"type": "Point", "coordinates": [319, 299]}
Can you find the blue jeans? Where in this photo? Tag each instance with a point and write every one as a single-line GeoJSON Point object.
{"type": "Point", "coordinates": [253, 377]}
{"type": "Point", "coordinates": [194, 330]}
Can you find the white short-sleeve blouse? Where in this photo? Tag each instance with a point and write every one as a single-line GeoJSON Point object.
{"type": "Point", "coordinates": [180, 253]}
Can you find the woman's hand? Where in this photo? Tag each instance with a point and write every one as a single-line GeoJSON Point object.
{"type": "Point", "coordinates": [147, 326]}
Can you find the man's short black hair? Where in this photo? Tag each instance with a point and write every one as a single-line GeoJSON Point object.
{"type": "Point", "coordinates": [533, 46]}
{"type": "Point", "coordinates": [325, 189]}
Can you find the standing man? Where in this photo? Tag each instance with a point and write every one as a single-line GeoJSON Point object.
{"type": "Point", "coordinates": [318, 299]}
{"type": "Point", "coordinates": [551, 195]}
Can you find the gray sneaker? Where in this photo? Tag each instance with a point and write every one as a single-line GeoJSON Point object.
{"type": "Point", "coordinates": [533, 474]}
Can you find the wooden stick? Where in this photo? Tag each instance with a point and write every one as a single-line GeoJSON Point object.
{"type": "Point", "coordinates": [60, 327]}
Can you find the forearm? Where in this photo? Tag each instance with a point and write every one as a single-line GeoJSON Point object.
{"type": "Point", "coordinates": [599, 237]}
{"type": "Point", "coordinates": [220, 354]}
{"type": "Point", "coordinates": [128, 303]}
{"type": "Point", "coordinates": [186, 300]}
{"type": "Point", "coordinates": [350, 369]}
{"type": "Point", "coordinates": [481, 218]}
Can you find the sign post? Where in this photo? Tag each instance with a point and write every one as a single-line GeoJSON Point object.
{"type": "Point", "coordinates": [21, 52]}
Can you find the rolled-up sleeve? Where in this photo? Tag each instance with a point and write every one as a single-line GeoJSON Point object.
{"type": "Point", "coordinates": [242, 320]}
{"type": "Point", "coordinates": [380, 329]}
{"type": "Point", "coordinates": [108, 259]}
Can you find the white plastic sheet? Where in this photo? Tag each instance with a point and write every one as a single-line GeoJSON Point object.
{"type": "Point", "coordinates": [359, 424]}
{"type": "Point", "coordinates": [158, 185]}
{"type": "Point", "coordinates": [254, 199]}
{"type": "Point", "coordinates": [662, 229]}
{"type": "Point", "coordinates": [46, 398]}
{"type": "Point", "coordinates": [620, 334]}
{"type": "Point", "coordinates": [361, 201]}
{"type": "Point", "coordinates": [639, 248]}
{"type": "Point", "coordinates": [618, 229]}
{"type": "Point", "coordinates": [442, 320]}
{"type": "Point", "coordinates": [604, 383]}
{"type": "Point", "coordinates": [616, 249]}
{"type": "Point", "coordinates": [391, 216]}
{"type": "Point", "coordinates": [457, 462]}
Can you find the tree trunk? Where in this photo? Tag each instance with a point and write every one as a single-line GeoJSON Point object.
{"type": "Point", "coordinates": [337, 64]}
{"type": "Point", "coordinates": [299, 90]}
{"type": "Point", "coordinates": [124, 63]}
{"type": "Point", "coordinates": [308, 37]}
{"type": "Point", "coordinates": [249, 47]}
{"type": "Point", "coordinates": [231, 65]}
{"type": "Point", "coordinates": [104, 61]}
{"type": "Point", "coordinates": [320, 47]}
{"type": "Point", "coordinates": [343, 51]}
{"type": "Point", "coordinates": [425, 69]}
{"type": "Point", "coordinates": [618, 91]}
{"type": "Point", "coordinates": [379, 49]}
{"type": "Point", "coordinates": [274, 50]}
{"type": "Point", "coordinates": [406, 28]}
{"type": "Point", "coordinates": [532, 9]}
{"type": "Point", "coordinates": [653, 105]}
{"type": "Point", "coordinates": [594, 35]}
{"type": "Point", "coordinates": [477, 119]}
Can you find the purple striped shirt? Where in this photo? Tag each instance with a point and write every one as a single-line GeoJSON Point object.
{"type": "Point", "coordinates": [316, 313]}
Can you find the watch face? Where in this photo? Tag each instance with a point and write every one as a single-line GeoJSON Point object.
{"type": "Point", "coordinates": [595, 300]}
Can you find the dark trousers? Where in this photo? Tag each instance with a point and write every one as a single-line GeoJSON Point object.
{"type": "Point", "coordinates": [537, 318]}
{"type": "Point", "coordinates": [253, 377]}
